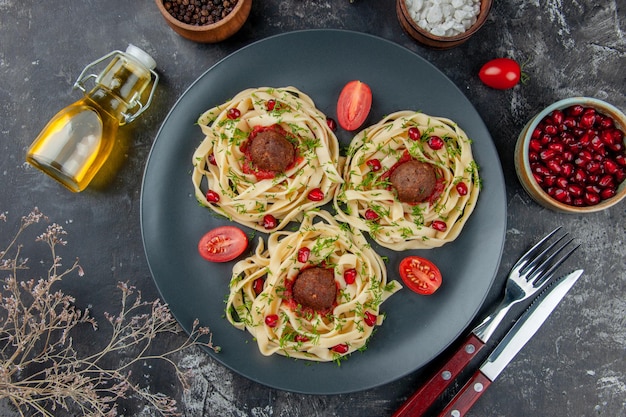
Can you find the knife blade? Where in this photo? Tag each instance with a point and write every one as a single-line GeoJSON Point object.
{"type": "Point", "coordinates": [521, 332]}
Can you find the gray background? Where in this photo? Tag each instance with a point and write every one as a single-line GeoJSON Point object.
{"type": "Point", "coordinates": [575, 366]}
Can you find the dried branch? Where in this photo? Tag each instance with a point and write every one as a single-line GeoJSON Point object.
{"type": "Point", "coordinates": [41, 371]}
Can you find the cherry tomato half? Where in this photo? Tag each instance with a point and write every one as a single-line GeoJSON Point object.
{"type": "Point", "coordinates": [420, 275]}
{"type": "Point", "coordinates": [500, 73]}
{"type": "Point", "coordinates": [354, 104]}
{"type": "Point", "coordinates": [222, 244]}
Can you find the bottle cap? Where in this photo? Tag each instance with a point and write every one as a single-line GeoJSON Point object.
{"type": "Point", "coordinates": [141, 56]}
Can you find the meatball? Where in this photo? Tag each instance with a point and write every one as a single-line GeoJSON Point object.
{"type": "Point", "coordinates": [315, 288]}
{"type": "Point", "coordinates": [271, 151]}
{"type": "Point", "coordinates": [414, 181]}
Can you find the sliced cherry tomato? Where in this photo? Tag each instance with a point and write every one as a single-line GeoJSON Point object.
{"type": "Point", "coordinates": [223, 244]}
{"type": "Point", "coordinates": [500, 73]}
{"type": "Point", "coordinates": [420, 275]}
{"type": "Point", "coordinates": [354, 104]}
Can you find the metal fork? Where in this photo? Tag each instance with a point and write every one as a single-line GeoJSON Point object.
{"type": "Point", "coordinates": [529, 274]}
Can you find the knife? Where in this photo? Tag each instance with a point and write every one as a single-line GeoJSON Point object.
{"type": "Point", "coordinates": [511, 344]}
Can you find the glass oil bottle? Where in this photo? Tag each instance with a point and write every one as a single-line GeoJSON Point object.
{"type": "Point", "coordinates": [75, 144]}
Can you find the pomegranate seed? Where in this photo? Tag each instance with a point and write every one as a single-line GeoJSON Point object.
{"type": "Point", "coordinates": [269, 222]}
{"type": "Point", "coordinates": [257, 285]}
{"type": "Point", "coordinates": [233, 113]}
{"type": "Point", "coordinates": [557, 117]}
{"type": "Point", "coordinates": [331, 123]}
{"type": "Point", "coordinates": [316, 195]}
{"type": "Point", "coordinates": [547, 154]}
{"type": "Point", "coordinates": [435, 143]}
{"type": "Point", "coordinates": [374, 165]}
{"type": "Point", "coordinates": [567, 170]}
{"type": "Point", "coordinates": [270, 104]}
{"type": "Point", "coordinates": [575, 190]}
{"type": "Point", "coordinates": [439, 225]}
{"type": "Point", "coordinates": [300, 338]}
{"type": "Point", "coordinates": [570, 123]}
{"type": "Point", "coordinates": [578, 156]}
{"type": "Point", "coordinates": [568, 156]}
{"type": "Point", "coordinates": [562, 182]}
{"type": "Point", "coordinates": [580, 176]}
{"type": "Point", "coordinates": [617, 147]}
{"type": "Point", "coordinates": [554, 166]}
{"type": "Point", "coordinates": [341, 348]}
{"type": "Point", "coordinates": [609, 166]}
{"type": "Point", "coordinates": [549, 180]}
{"type": "Point", "coordinates": [349, 275]}
{"type": "Point", "coordinates": [535, 145]}
{"type": "Point", "coordinates": [271, 320]}
{"type": "Point", "coordinates": [533, 156]}
{"type": "Point", "coordinates": [212, 196]}
{"type": "Point", "coordinates": [607, 193]}
{"type": "Point", "coordinates": [369, 318]}
{"type": "Point", "coordinates": [550, 130]}
{"type": "Point", "coordinates": [593, 167]}
{"type": "Point", "coordinates": [212, 159]}
{"type": "Point", "coordinates": [371, 215]}
{"type": "Point", "coordinates": [303, 254]}
{"type": "Point", "coordinates": [606, 181]}
{"type": "Point", "coordinates": [414, 133]}
{"type": "Point", "coordinates": [591, 199]}
{"type": "Point", "coordinates": [561, 195]}
{"type": "Point", "coordinates": [587, 120]}
{"type": "Point", "coordinates": [461, 188]}
{"type": "Point", "coordinates": [575, 110]}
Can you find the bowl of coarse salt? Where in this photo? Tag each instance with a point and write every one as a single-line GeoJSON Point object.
{"type": "Point", "coordinates": [442, 24]}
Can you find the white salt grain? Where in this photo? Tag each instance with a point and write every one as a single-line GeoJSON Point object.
{"type": "Point", "coordinates": [444, 17]}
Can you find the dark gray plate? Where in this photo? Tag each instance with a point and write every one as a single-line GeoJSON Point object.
{"type": "Point", "coordinates": [320, 62]}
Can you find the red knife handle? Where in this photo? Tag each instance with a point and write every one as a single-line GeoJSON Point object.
{"type": "Point", "coordinates": [465, 399]}
{"type": "Point", "coordinates": [421, 401]}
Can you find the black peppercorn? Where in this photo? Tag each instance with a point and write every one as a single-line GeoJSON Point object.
{"type": "Point", "coordinates": [199, 12]}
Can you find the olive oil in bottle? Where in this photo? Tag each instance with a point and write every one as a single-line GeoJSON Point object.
{"type": "Point", "coordinates": [75, 144]}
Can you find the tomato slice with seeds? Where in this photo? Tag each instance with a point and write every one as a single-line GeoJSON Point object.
{"type": "Point", "coordinates": [420, 275]}
{"type": "Point", "coordinates": [223, 244]}
{"type": "Point", "coordinates": [353, 105]}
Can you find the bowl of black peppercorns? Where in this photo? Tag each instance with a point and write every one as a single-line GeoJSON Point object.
{"type": "Point", "coordinates": [206, 21]}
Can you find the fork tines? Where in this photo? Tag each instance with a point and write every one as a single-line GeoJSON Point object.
{"type": "Point", "coordinates": [546, 256]}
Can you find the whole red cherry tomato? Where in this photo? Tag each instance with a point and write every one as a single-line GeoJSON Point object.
{"type": "Point", "coordinates": [501, 73]}
{"type": "Point", "coordinates": [420, 275]}
{"type": "Point", "coordinates": [353, 105]}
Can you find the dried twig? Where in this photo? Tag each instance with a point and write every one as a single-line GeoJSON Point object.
{"type": "Point", "coordinates": [41, 371]}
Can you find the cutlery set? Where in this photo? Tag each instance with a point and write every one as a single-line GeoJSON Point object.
{"type": "Point", "coordinates": [530, 276]}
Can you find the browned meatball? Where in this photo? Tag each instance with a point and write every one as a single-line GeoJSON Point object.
{"type": "Point", "coordinates": [271, 151]}
{"type": "Point", "coordinates": [315, 288]}
{"type": "Point", "coordinates": [414, 181]}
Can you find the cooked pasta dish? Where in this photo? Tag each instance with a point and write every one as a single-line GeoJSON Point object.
{"type": "Point", "coordinates": [312, 294]}
{"type": "Point", "coordinates": [267, 156]}
{"type": "Point", "coordinates": [410, 181]}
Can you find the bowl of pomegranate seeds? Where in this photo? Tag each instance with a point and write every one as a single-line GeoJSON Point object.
{"type": "Point", "coordinates": [571, 157]}
{"type": "Point", "coordinates": [205, 21]}
{"type": "Point", "coordinates": [442, 24]}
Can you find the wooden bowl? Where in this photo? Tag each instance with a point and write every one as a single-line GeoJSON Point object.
{"type": "Point", "coordinates": [439, 42]}
{"type": "Point", "coordinates": [524, 169]}
{"type": "Point", "coordinates": [211, 33]}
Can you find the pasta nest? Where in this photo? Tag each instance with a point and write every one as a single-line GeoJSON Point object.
{"type": "Point", "coordinates": [220, 162]}
{"type": "Point", "coordinates": [299, 332]}
{"type": "Point", "coordinates": [367, 201]}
